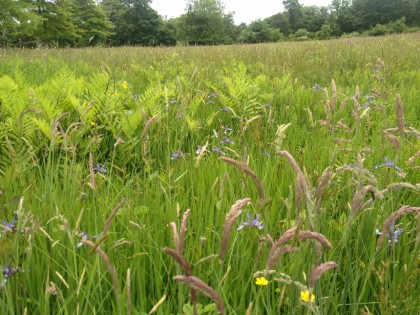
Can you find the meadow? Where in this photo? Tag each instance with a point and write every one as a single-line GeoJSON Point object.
{"type": "Point", "coordinates": [257, 179]}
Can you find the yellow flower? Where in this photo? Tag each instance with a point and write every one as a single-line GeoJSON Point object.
{"type": "Point", "coordinates": [261, 281]}
{"type": "Point", "coordinates": [125, 85]}
{"type": "Point", "coordinates": [307, 297]}
{"type": "Point", "coordinates": [92, 123]}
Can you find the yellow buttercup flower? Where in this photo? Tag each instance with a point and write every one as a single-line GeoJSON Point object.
{"type": "Point", "coordinates": [125, 85]}
{"type": "Point", "coordinates": [261, 281]}
{"type": "Point", "coordinates": [92, 123]}
{"type": "Point", "coordinates": [307, 297]}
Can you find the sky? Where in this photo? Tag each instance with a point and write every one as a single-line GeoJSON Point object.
{"type": "Point", "coordinates": [245, 10]}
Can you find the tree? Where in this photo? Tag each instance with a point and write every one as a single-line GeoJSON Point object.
{"type": "Point", "coordinates": [372, 12]}
{"type": "Point", "coordinates": [136, 23]}
{"type": "Point", "coordinates": [280, 21]}
{"type": "Point", "coordinates": [314, 17]}
{"type": "Point", "coordinates": [342, 17]}
{"type": "Point", "coordinates": [18, 20]}
{"type": "Point", "coordinates": [257, 32]}
{"type": "Point", "coordinates": [295, 15]}
{"type": "Point", "coordinates": [205, 23]}
{"type": "Point", "coordinates": [92, 22]}
{"type": "Point", "coordinates": [58, 24]}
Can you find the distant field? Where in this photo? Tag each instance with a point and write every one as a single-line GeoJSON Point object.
{"type": "Point", "coordinates": [299, 162]}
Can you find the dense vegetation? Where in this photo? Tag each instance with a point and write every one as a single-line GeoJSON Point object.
{"type": "Point", "coordinates": [316, 145]}
{"type": "Point", "coordinates": [80, 23]}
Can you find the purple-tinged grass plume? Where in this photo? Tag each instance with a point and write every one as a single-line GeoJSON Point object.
{"type": "Point", "coordinates": [197, 284]}
{"type": "Point", "coordinates": [230, 219]}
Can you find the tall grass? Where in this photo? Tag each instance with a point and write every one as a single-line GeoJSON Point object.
{"type": "Point", "coordinates": [313, 146]}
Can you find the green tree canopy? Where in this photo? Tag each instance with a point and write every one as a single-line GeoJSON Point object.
{"type": "Point", "coordinates": [58, 26]}
{"type": "Point", "coordinates": [18, 19]}
{"type": "Point", "coordinates": [205, 23]}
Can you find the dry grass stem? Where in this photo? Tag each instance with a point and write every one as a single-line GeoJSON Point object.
{"type": "Point", "coordinates": [91, 172]}
{"type": "Point", "coordinates": [245, 168]}
{"type": "Point", "coordinates": [309, 235]}
{"type": "Point", "coordinates": [302, 186]}
{"type": "Point", "coordinates": [318, 271]}
{"type": "Point", "coordinates": [297, 170]}
{"type": "Point", "coordinates": [394, 140]}
{"type": "Point", "coordinates": [341, 124]}
{"type": "Point", "coordinates": [284, 278]}
{"type": "Point", "coordinates": [128, 290]}
{"type": "Point", "coordinates": [159, 303]}
{"type": "Point", "coordinates": [180, 259]}
{"type": "Point", "coordinates": [279, 252]}
{"type": "Point", "coordinates": [182, 232]}
{"type": "Point", "coordinates": [186, 270]}
{"type": "Point", "coordinates": [409, 130]}
{"type": "Point", "coordinates": [310, 117]}
{"type": "Point", "coordinates": [400, 115]}
{"type": "Point", "coordinates": [230, 219]}
{"type": "Point", "coordinates": [391, 221]}
{"type": "Point", "coordinates": [147, 125]}
{"type": "Point", "coordinates": [79, 285]}
{"type": "Point", "coordinates": [356, 107]}
{"type": "Point", "coordinates": [357, 203]}
{"type": "Point", "coordinates": [281, 134]}
{"type": "Point", "coordinates": [396, 186]}
{"type": "Point", "coordinates": [327, 107]}
{"type": "Point", "coordinates": [379, 195]}
{"type": "Point", "coordinates": [323, 182]}
{"type": "Point", "coordinates": [274, 254]}
{"type": "Point", "coordinates": [343, 104]}
{"type": "Point", "coordinates": [112, 215]}
{"type": "Point", "coordinates": [249, 309]}
{"type": "Point", "coordinates": [245, 156]}
{"type": "Point", "coordinates": [249, 121]}
{"type": "Point", "coordinates": [109, 266]}
{"type": "Point", "coordinates": [199, 285]}
{"type": "Point", "coordinates": [172, 225]}
{"type": "Point", "coordinates": [200, 156]}
{"type": "Point", "coordinates": [414, 157]}
{"type": "Point", "coordinates": [334, 95]}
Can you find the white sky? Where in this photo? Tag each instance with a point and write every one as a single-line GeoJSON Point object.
{"type": "Point", "coordinates": [245, 10]}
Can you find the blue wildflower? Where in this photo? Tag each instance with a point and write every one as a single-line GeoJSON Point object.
{"type": "Point", "coordinates": [9, 271]}
{"type": "Point", "coordinates": [85, 236]}
{"type": "Point", "coordinates": [218, 150]}
{"type": "Point", "coordinates": [172, 101]}
{"type": "Point", "coordinates": [225, 109]}
{"type": "Point", "coordinates": [177, 155]}
{"type": "Point", "coordinates": [316, 87]}
{"type": "Point", "coordinates": [388, 164]}
{"type": "Point", "coordinates": [10, 226]}
{"type": "Point", "coordinates": [393, 234]}
{"type": "Point", "coordinates": [227, 140]}
{"type": "Point", "coordinates": [251, 222]}
{"type": "Point", "coordinates": [226, 129]}
{"type": "Point", "coordinates": [100, 168]}
{"type": "Point", "coordinates": [199, 149]}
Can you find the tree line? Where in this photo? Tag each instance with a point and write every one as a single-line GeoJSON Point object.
{"type": "Point", "coordinates": [81, 23]}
